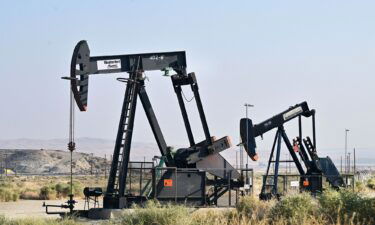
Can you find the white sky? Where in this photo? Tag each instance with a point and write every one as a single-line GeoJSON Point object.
{"type": "Point", "coordinates": [271, 54]}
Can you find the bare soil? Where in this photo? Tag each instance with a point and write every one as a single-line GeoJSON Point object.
{"type": "Point", "coordinates": [32, 208]}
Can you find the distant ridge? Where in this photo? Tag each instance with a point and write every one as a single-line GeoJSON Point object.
{"type": "Point", "coordinates": [97, 146]}
{"type": "Point", "coordinates": [44, 161]}
{"type": "Point", "coordinates": [146, 151]}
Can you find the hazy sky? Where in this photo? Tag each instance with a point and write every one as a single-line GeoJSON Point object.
{"type": "Point", "coordinates": [272, 54]}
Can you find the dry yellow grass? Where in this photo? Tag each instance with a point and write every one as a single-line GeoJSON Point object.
{"type": "Point", "coordinates": [30, 187]}
{"type": "Point", "coordinates": [332, 207]}
{"type": "Point", "coordinates": [344, 207]}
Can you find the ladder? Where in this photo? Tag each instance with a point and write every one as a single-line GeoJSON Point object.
{"type": "Point", "coordinates": [117, 181]}
{"type": "Point", "coordinates": [310, 148]}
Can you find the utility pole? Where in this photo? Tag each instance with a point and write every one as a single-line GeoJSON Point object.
{"type": "Point", "coordinates": [349, 162]}
{"type": "Point", "coordinates": [354, 169]}
{"type": "Point", "coordinates": [6, 166]}
{"type": "Point", "coordinates": [91, 162]}
{"type": "Point", "coordinates": [105, 166]}
{"type": "Point", "coordinates": [346, 146]}
{"type": "Point", "coordinates": [340, 164]}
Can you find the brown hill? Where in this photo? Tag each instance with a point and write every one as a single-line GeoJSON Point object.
{"type": "Point", "coordinates": [42, 161]}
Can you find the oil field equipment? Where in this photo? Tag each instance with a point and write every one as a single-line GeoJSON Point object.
{"type": "Point", "coordinates": [313, 168]}
{"type": "Point", "coordinates": [196, 175]}
{"type": "Point", "coordinates": [92, 194]}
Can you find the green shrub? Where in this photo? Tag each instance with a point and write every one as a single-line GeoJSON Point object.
{"type": "Point", "coordinates": [294, 209]}
{"type": "Point", "coordinates": [47, 193]}
{"type": "Point", "coordinates": [154, 213]}
{"type": "Point", "coordinates": [360, 186]}
{"type": "Point", "coordinates": [2, 219]}
{"type": "Point", "coordinates": [15, 197]}
{"type": "Point", "coordinates": [59, 188]}
{"type": "Point", "coordinates": [346, 207]}
{"type": "Point", "coordinates": [63, 189]}
{"type": "Point", "coordinates": [8, 191]}
{"type": "Point", "coordinates": [214, 217]}
{"type": "Point", "coordinates": [359, 208]}
{"type": "Point", "coordinates": [6, 184]}
{"type": "Point", "coordinates": [247, 205]}
{"type": "Point", "coordinates": [7, 195]}
{"type": "Point", "coordinates": [332, 207]}
{"type": "Point", "coordinates": [252, 208]}
{"type": "Point", "coordinates": [371, 183]}
{"type": "Point", "coordinates": [77, 189]}
{"type": "Point", "coordinates": [330, 204]}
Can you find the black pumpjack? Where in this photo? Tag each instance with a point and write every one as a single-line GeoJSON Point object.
{"type": "Point", "coordinates": [188, 171]}
{"type": "Point", "coordinates": [315, 168]}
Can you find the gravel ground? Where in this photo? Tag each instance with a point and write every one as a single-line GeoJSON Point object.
{"type": "Point", "coordinates": [32, 208]}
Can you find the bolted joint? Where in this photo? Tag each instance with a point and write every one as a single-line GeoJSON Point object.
{"type": "Point", "coordinates": [71, 146]}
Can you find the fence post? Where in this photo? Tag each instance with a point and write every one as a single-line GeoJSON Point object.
{"type": "Point", "coordinates": [229, 188]}
{"type": "Point", "coordinates": [175, 169]}
{"type": "Point", "coordinates": [252, 182]}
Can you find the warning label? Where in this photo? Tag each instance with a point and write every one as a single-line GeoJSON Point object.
{"type": "Point", "coordinates": [168, 182]}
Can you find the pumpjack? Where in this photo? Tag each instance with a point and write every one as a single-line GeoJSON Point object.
{"type": "Point", "coordinates": [197, 166]}
{"type": "Point", "coordinates": [311, 170]}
